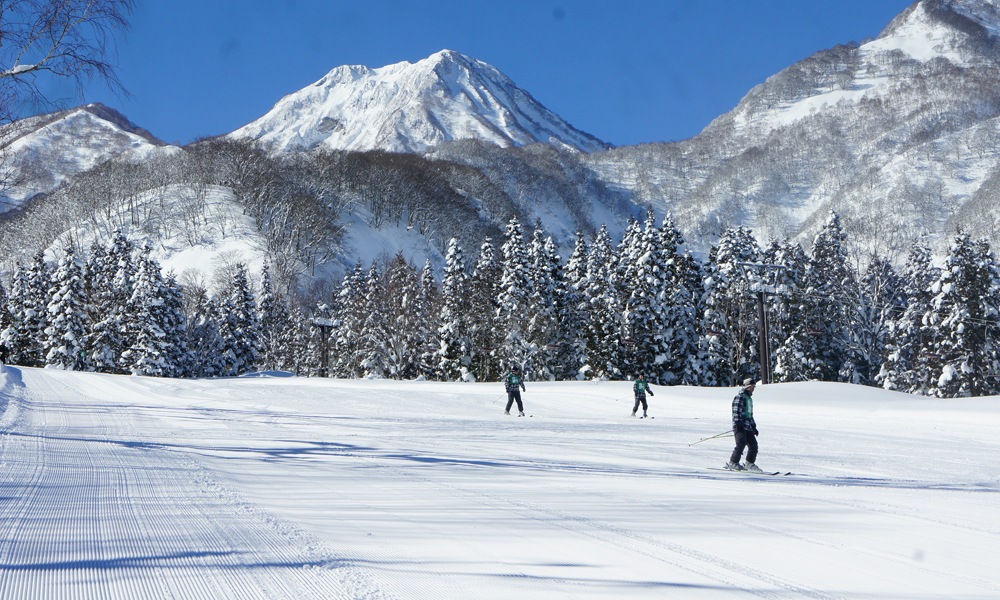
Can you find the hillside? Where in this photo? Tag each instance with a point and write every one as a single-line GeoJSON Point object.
{"type": "Point", "coordinates": [897, 134]}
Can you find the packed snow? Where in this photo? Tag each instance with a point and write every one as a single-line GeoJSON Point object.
{"type": "Point", "coordinates": [283, 487]}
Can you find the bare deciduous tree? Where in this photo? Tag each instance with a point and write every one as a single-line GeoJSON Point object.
{"type": "Point", "coordinates": [66, 39]}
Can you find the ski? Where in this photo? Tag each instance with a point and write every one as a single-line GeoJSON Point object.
{"type": "Point", "coordinates": [775, 474]}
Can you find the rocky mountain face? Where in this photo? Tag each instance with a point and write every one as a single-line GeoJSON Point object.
{"type": "Point", "coordinates": [412, 107]}
{"type": "Point", "coordinates": [898, 134]}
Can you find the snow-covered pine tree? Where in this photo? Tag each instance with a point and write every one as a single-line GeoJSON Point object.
{"type": "Point", "coordinates": [150, 353]}
{"type": "Point", "coordinates": [454, 353]}
{"type": "Point", "coordinates": [647, 295]}
{"type": "Point", "coordinates": [205, 346]}
{"type": "Point", "coordinates": [66, 333]}
{"type": "Point", "coordinates": [113, 278]}
{"type": "Point", "coordinates": [350, 311]}
{"type": "Point", "coordinates": [398, 334]}
{"type": "Point", "coordinates": [375, 335]}
{"type": "Point", "coordinates": [728, 344]}
{"type": "Point", "coordinates": [872, 302]}
{"type": "Point", "coordinates": [605, 347]}
{"type": "Point", "coordinates": [427, 309]}
{"type": "Point", "coordinates": [34, 319]}
{"type": "Point", "coordinates": [784, 308]}
{"type": "Point", "coordinates": [962, 330]}
{"type": "Point", "coordinates": [543, 317]}
{"type": "Point", "coordinates": [514, 300]}
{"type": "Point", "coordinates": [173, 324]}
{"type": "Point", "coordinates": [245, 329]}
{"type": "Point", "coordinates": [275, 325]}
{"type": "Point", "coordinates": [484, 331]}
{"type": "Point", "coordinates": [905, 368]}
{"type": "Point", "coordinates": [680, 309]}
{"type": "Point", "coordinates": [298, 345]}
{"type": "Point", "coordinates": [15, 335]}
{"type": "Point", "coordinates": [573, 314]}
{"type": "Point", "coordinates": [6, 318]}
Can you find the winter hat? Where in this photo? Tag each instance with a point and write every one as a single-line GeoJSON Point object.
{"type": "Point", "coordinates": [515, 368]}
{"type": "Point", "coordinates": [748, 382]}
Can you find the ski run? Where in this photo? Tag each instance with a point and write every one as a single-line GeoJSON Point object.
{"type": "Point", "coordinates": [278, 487]}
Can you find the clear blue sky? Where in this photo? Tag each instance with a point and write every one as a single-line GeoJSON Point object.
{"type": "Point", "coordinates": [626, 71]}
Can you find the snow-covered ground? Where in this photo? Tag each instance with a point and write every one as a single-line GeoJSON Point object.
{"type": "Point", "coordinates": [282, 487]}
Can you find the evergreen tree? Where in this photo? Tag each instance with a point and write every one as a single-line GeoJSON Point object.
{"type": "Point", "coordinates": [961, 331]}
{"type": "Point", "coordinates": [275, 325]}
{"type": "Point", "coordinates": [728, 346]}
{"type": "Point", "coordinates": [66, 333]}
{"type": "Point", "coordinates": [204, 342]}
{"type": "Point", "coordinates": [605, 333]}
{"type": "Point", "coordinates": [455, 352]}
{"type": "Point", "coordinates": [573, 315]}
{"type": "Point", "coordinates": [34, 317]}
{"type": "Point", "coordinates": [682, 278]}
{"type": "Point", "coordinates": [15, 334]}
{"type": "Point", "coordinates": [647, 295]}
{"type": "Point", "coordinates": [484, 329]}
{"type": "Point", "coordinates": [514, 301]}
{"type": "Point", "coordinates": [351, 312]}
{"type": "Point", "coordinates": [113, 280]}
{"type": "Point", "coordinates": [905, 369]}
{"type": "Point", "coordinates": [828, 277]}
{"type": "Point", "coordinates": [242, 326]}
{"type": "Point", "coordinates": [543, 331]}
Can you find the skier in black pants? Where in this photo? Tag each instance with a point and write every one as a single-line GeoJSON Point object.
{"type": "Point", "coordinates": [640, 388]}
{"type": "Point", "coordinates": [744, 429]}
{"type": "Point", "coordinates": [512, 383]}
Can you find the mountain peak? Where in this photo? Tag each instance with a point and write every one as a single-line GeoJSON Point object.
{"type": "Point", "coordinates": [411, 107]}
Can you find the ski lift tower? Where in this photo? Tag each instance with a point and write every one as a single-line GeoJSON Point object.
{"type": "Point", "coordinates": [325, 326]}
{"type": "Point", "coordinates": [762, 279]}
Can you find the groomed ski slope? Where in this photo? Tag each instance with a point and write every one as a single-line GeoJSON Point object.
{"type": "Point", "coordinates": [282, 487]}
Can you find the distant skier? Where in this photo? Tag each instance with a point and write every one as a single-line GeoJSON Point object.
{"type": "Point", "coordinates": [744, 429]}
{"type": "Point", "coordinates": [640, 388]}
{"type": "Point", "coordinates": [514, 384]}
{"type": "Point", "coordinates": [3, 352]}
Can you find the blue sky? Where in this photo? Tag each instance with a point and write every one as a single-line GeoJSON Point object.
{"type": "Point", "coordinates": [626, 71]}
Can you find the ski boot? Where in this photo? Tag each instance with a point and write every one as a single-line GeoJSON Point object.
{"type": "Point", "coordinates": [506, 412]}
{"type": "Point", "coordinates": [730, 465]}
{"type": "Point", "coordinates": [752, 468]}
{"type": "Point", "coordinates": [644, 415]}
{"type": "Point", "coordinates": [520, 414]}
{"type": "Point", "coordinates": [633, 414]}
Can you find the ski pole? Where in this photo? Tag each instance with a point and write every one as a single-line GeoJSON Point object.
{"type": "Point", "coordinates": [710, 438]}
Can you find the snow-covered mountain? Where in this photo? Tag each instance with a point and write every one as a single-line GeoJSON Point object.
{"type": "Point", "coordinates": [41, 152]}
{"type": "Point", "coordinates": [898, 134]}
{"type": "Point", "coordinates": [410, 107]}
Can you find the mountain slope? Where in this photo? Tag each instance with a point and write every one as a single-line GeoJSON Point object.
{"type": "Point", "coordinates": [412, 107]}
{"type": "Point", "coordinates": [41, 152]}
{"type": "Point", "coordinates": [896, 134]}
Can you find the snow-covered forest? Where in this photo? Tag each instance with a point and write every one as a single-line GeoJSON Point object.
{"type": "Point", "coordinates": [613, 310]}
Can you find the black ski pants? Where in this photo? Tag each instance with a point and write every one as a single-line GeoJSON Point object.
{"type": "Point", "coordinates": [639, 399]}
{"type": "Point", "coordinates": [745, 439]}
{"type": "Point", "coordinates": [511, 397]}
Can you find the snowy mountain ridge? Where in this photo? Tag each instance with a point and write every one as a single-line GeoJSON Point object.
{"type": "Point", "coordinates": [898, 134]}
{"type": "Point", "coordinates": [41, 152]}
{"type": "Point", "coordinates": [411, 107]}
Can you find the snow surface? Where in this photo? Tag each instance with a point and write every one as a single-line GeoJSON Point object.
{"type": "Point", "coordinates": [283, 487]}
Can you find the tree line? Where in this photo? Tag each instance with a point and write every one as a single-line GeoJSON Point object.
{"type": "Point", "coordinates": [644, 306]}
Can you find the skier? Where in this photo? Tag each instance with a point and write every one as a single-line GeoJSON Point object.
{"type": "Point", "coordinates": [3, 352]}
{"type": "Point", "coordinates": [512, 383]}
{"type": "Point", "coordinates": [744, 430]}
{"type": "Point", "coordinates": [640, 388]}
